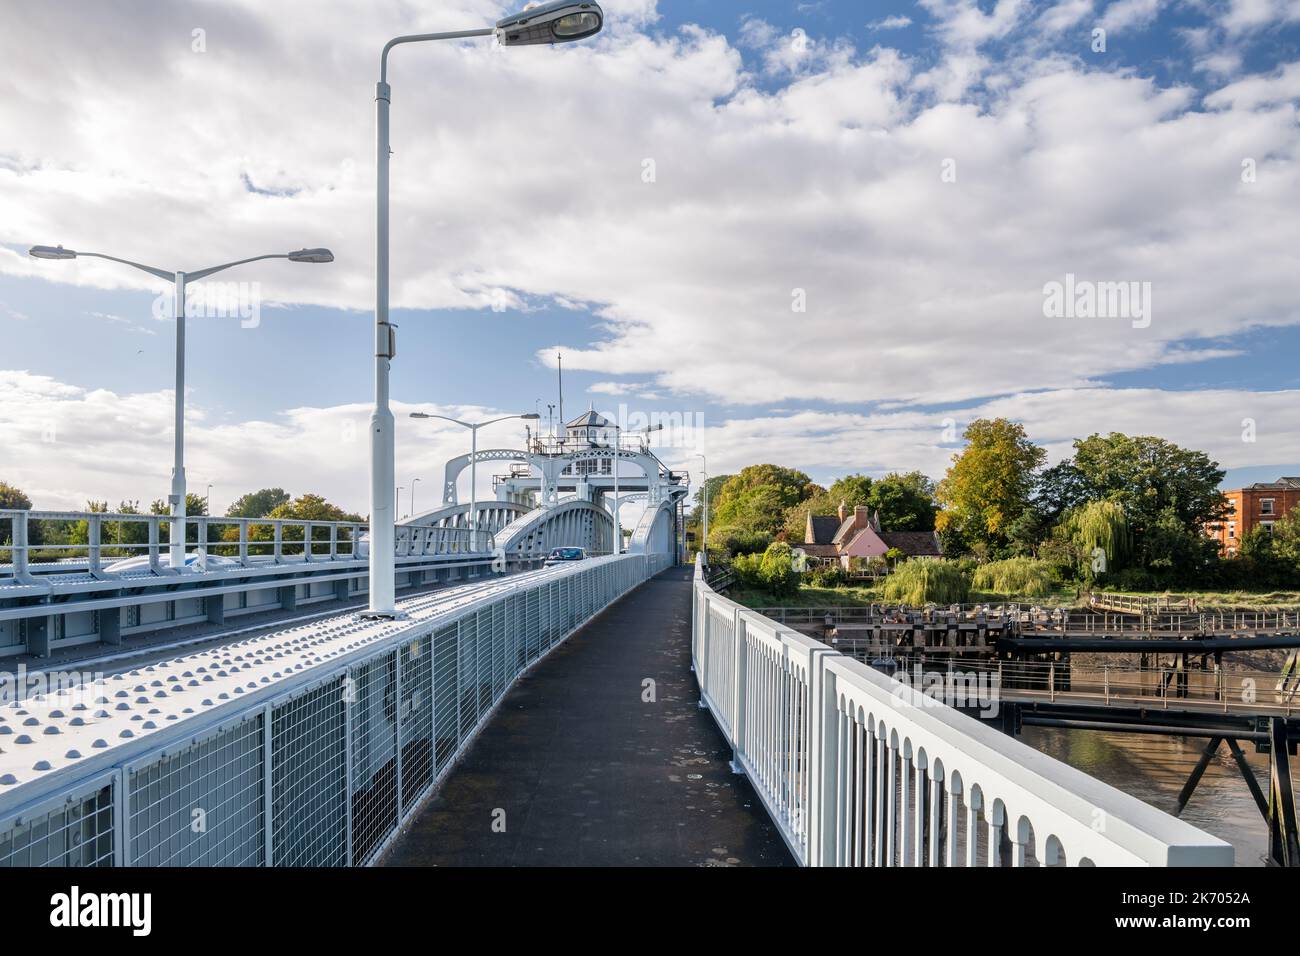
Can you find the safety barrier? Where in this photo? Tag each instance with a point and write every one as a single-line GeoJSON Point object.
{"type": "Point", "coordinates": [859, 769]}
{"type": "Point", "coordinates": [309, 747]}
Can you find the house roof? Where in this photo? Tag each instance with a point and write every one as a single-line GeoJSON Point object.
{"type": "Point", "coordinates": [818, 550]}
{"type": "Point", "coordinates": [823, 528]}
{"type": "Point", "coordinates": [915, 544]}
{"type": "Point", "coordinates": [1282, 484]}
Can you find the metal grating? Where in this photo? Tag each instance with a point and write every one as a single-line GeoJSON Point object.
{"type": "Point", "coordinates": [203, 806]}
{"type": "Point", "coordinates": [309, 778]}
{"type": "Point", "coordinates": [446, 697]}
{"type": "Point", "coordinates": [416, 708]}
{"type": "Point", "coordinates": [373, 703]}
{"type": "Point", "coordinates": [330, 769]}
{"type": "Point", "coordinates": [77, 834]}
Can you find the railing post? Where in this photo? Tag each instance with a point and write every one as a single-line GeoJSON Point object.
{"type": "Point", "coordinates": [154, 566]}
{"type": "Point", "coordinates": [268, 809]}
{"type": "Point", "coordinates": [93, 526]}
{"type": "Point", "coordinates": [306, 540]}
{"type": "Point", "coordinates": [243, 542]}
{"type": "Point", "coordinates": [737, 701]}
{"type": "Point", "coordinates": [277, 550]}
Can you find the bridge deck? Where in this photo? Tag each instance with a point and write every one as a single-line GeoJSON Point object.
{"type": "Point", "coordinates": [588, 774]}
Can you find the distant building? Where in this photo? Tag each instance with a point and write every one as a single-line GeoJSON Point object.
{"type": "Point", "coordinates": [1259, 505]}
{"type": "Point", "coordinates": [589, 430]}
{"type": "Point", "coordinates": [842, 537]}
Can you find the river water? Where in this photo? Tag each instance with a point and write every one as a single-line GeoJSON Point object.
{"type": "Point", "coordinates": [1154, 768]}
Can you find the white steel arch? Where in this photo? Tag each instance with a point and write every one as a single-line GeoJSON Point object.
{"type": "Point", "coordinates": [573, 523]}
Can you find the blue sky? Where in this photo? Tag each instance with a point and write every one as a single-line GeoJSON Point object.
{"type": "Point", "coordinates": [784, 161]}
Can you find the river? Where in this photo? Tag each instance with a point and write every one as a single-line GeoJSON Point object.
{"type": "Point", "coordinates": [1154, 768]}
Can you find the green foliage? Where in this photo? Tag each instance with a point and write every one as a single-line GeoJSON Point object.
{"type": "Point", "coordinates": [757, 498]}
{"type": "Point", "coordinates": [928, 580]}
{"type": "Point", "coordinates": [989, 483]}
{"type": "Point", "coordinates": [1022, 577]}
{"type": "Point", "coordinates": [13, 499]}
{"type": "Point", "coordinates": [905, 502]}
{"type": "Point", "coordinates": [258, 504]}
{"type": "Point", "coordinates": [827, 576]}
{"type": "Point", "coordinates": [772, 571]}
{"type": "Point", "coordinates": [1097, 525]}
{"type": "Point", "coordinates": [735, 541]}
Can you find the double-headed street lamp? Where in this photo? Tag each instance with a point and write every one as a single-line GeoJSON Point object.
{"type": "Point", "coordinates": [179, 280]}
{"type": "Point", "coordinates": [473, 427]}
{"type": "Point", "coordinates": [560, 22]}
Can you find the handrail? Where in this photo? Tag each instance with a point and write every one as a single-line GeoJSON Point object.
{"type": "Point", "coordinates": [857, 768]}
{"type": "Point", "coordinates": [218, 542]}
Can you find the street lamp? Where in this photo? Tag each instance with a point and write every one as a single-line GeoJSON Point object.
{"type": "Point", "coordinates": [473, 427]}
{"type": "Point", "coordinates": [412, 496]}
{"type": "Point", "coordinates": [179, 280]}
{"type": "Point", "coordinates": [705, 529]}
{"type": "Point", "coordinates": [559, 22]}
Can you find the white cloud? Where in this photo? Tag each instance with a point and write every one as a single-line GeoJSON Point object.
{"type": "Point", "coordinates": [830, 444]}
{"type": "Point", "coordinates": [895, 22]}
{"type": "Point", "coordinates": [65, 445]}
{"type": "Point", "coordinates": [1123, 14]}
{"type": "Point", "coordinates": [917, 290]}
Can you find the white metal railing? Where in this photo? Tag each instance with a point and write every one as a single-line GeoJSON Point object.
{"type": "Point", "coordinates": [33, 542]}
{"type": "Point", "coordinates": [859, 769]}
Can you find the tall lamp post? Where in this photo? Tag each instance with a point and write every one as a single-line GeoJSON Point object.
{"type": "Point", "coordinates": [412, 497]}
{"type": "Point", "coordinates": [560, 22]}
{"type": "Point", "coordinates": [179, 280]}
{"type": "Point", "coordinates": [473, 427]}
{"type": "Point", "coordinates": [705, 548]}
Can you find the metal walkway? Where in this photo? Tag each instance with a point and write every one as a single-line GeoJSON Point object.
{"type": "Point", "coordinates": [588, 773]}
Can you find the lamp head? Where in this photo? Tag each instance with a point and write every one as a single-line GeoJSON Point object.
{"type": "Point", "coordinates": [51, 252]}
{"type": "Point", "coordinates": [530, 417]}
{"type": "Point", "coordinates": [419, 415]}
{"type": "Point", "coordinates": [311, 255]}
{"type": "Point", "coordinates": [559, 22]}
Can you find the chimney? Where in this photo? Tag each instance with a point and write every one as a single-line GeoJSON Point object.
{"type": "Point", "coordinates": [843, 509]}
{"type": "Point", "coordinates": [861, 516]}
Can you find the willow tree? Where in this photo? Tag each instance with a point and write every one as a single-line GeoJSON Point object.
{"type": "Point", "coordinates": [1098, 527]}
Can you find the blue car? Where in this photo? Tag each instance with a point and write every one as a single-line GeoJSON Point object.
{"type": "Point", "coordinates": [559, 555]}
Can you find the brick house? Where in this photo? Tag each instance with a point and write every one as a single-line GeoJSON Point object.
{"type": "Point", "coordinates": [1260, 505]}
{"type": "Point", "coordinates": [844, 536]}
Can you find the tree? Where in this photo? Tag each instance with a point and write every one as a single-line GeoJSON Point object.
{"type": "Point", "coordinates": [13, 499]}
{"type": "Point", "coordinates": [1156, 482]}
{"type": "Point", "coordinates": [1099, 532]}
{"type": "Point", "coordinates": [194, 505]}
{"type": "Point", "coordinates": [757, 498]}
{"type": "Point", "coordinates": [989, 483]}
{"type": "Point", "coordinates": [905, 502]}
{"type": "Point", "coordinates": [258, 504]}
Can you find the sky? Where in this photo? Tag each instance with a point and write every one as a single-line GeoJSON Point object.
{"type": "Point", "coordinates": [822, 234]}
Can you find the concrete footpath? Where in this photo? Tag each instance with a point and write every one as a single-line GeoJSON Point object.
{"type": "Point", "coordinates": [577, 769]}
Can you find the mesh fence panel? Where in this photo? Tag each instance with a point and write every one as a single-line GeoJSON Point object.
{"type": "Point", "coordinates": [309, 779]}
{"type": "Point", "coordinates": [77, 834]}
{"type": "Point", "coordinates": [334, 750]}
{"type": "Point", "coordinates": [446, 724]}
{"type": "Point", "coordinates": [203, 806]}
{"type": "Point", "coordinates": [417, 718]}
{"type": "Point", "coordinates": [373, 700]}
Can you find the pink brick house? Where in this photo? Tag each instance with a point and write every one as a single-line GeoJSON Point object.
{"type": "Point", "coordinates": [845, 536]}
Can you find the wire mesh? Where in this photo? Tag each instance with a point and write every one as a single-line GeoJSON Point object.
{"type": "Point", "coordinates": [203, 806]}
{"type": "Point", "coordinates": [79, 833]}
{"type": "Point", "coordinates": [373, 699]}
{"type": "Point", "coordinates": [446, 696]}
{"type": "Point", "coordinates": [416, 708]}
{"type": "Point", "coordinates": [309, 778]}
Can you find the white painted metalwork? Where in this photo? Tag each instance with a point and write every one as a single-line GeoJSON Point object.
{"type": "Point", "coordinates": [307, 747]}
{"type": "Point", "coordinates": [858, 769]}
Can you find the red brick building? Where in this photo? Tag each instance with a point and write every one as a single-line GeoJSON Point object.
{"type": "Point", "coordinates": [1259, 505]}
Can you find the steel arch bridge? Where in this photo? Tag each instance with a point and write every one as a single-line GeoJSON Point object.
{"type": "Point", "coordinates": [572, 523]}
